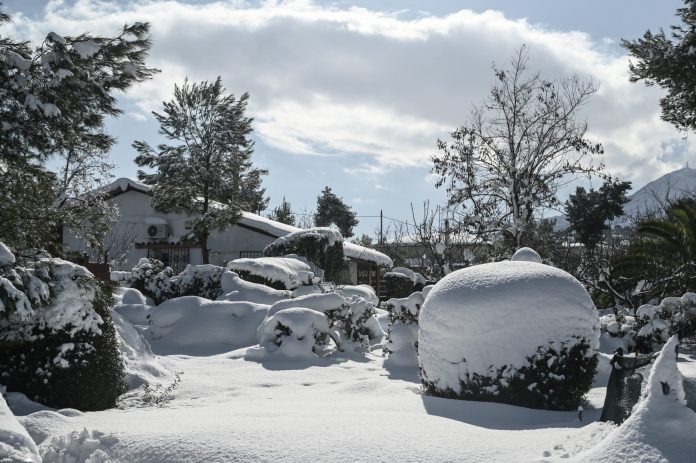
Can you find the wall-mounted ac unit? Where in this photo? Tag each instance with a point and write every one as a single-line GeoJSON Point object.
{"type": "Point", "coordinates": [159, 231]}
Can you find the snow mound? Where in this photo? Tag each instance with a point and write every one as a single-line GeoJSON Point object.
{"type": "Point", "coordinates": [78, 447]}
{"type": "Point", "coordinates": [333, 236]}
{"type": "Point", "coordinates": [6, 256]}
{"type": "Point", "coordinates": [296, 333]}
{"type": "Point", "coordinates": [364, 291]}
{"type": "Point", "coordinates": [481, 319]}
{"type": "Point", "coordinates": [15, 443]}
{"type": "Point", "coordinates": [526, 255]}
{"type": "Point", "coordinates": [307, 290]}
{"type": "Point", "coordinates": [132, 296]}
{"type": "Point", "coordinates": [415, 277]}
{"type": "Point", "coordinates": [660, 428]}
{"type": "Point", "coordinates": [141, 365]}
{"type": "Point", "coordinates": [196, 326]}
{"type": "Point", "coordinates": [137, 314]}
{"type": "Point", "coordinates": [236, 289]}
{"type": "Point", "coordinates": [290, 271]}
{"type": "Point", "coordinates": [426, 290]}
{"type": "Point", "coordinates": [401, 345]}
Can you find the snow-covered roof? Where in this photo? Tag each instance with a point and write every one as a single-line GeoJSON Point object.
{"type": "Point", "coordinates": [123, 184]}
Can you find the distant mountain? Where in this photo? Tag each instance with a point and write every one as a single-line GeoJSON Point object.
{"type": "Point", "coordinates": [668, 187]}
{"type": "Point", "coordinates": [650, 197]}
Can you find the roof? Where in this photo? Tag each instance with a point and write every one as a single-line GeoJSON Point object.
{"type": "Point", "coordinates": [261, 224]}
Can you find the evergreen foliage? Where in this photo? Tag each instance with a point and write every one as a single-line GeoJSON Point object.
{"type": "Point", "coordinates": [332, 210]}
{"type": "Point", "coordinates": [553, 379]}
{"type": "Point", "coordinates": [670, 62]}
{"type": "Point", "coordinates": [207, 171]}
{"type": "Point", "coordinates": [55, 100]}
{"type": "Point", "coordinates": [283, 213]}
{"type": "Point", "coordinates": [317, 248]}
{"type": "Point", "coordinates": [398, 285]}
{"type": "Point", "coordinates": [519, 146]}
{"type": "Point", "coordinates": [73, 363]}
{"type": "Point", "coordinates": [590, 211]}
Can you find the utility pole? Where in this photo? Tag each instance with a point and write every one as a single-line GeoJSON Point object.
{"type": "Point", "coordinates": [381, 230]}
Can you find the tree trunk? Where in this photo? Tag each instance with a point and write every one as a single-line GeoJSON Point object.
{"type": "Point", "coordinates": [205, 250]}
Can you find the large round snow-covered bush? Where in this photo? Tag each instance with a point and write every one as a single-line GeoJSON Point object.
{"type": "Point", "coordinates": [58, 344]}
{"type": "Point", "coordinates": [522, 333]}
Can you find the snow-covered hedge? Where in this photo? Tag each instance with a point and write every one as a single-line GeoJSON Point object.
{"type": "Point", "coordinates": [158, 282]}
{"type": "Point", "coordinates": [58, 344]}
{"type": "Point", "coordinates": [515, 332]}
{"type": "Point", "coordinates": [656, 323]}
{"type": "Point", "coordinates": [236, 289]}
{"type": "Point", "coordinates": [402, 335]}
{"type": "Point", "coordinates": [321, 246]}
{"type": "Point", "coordinates": [353, 319]}
{"type": "Point", "coordinates": [288, 272]}
{"type": "Point", "coordinates": [398, 285]}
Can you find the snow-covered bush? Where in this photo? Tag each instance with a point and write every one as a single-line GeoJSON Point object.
{"type": "Point", "coordinates": [367, 292]}
{"type": "Point", "coordinates": [526, 255]}
{"type": "Point", "coordinates": [58, 344]}
{"type": "Point", "coordinates": [236, 289]}
{"type": "Point", "coordinates": [656, 323]}
{"type": "Point", "coordinates": [616, 333]}
{"type": "Point", "coordinates": [322, 246]}
{"type": "Point", "coordinates": [151, 277]}
{"type": "Point", "coordinates": [352, 319]}
{"type": "Point", "coordinates": [397, 285]}
{"type": "Point", "coordinates": [402, 335]}
{"type": "Point", "coordinates": [288, 272]}
{"type": "Point", "coordinates": [296, 333]}
{"type": "Point", "coordinates": [154, 280]}
{"type": "Point", "coordinates": [514, 332]}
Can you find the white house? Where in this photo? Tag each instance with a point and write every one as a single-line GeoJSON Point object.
{"type": "Point", "coordinates": [141, 231]}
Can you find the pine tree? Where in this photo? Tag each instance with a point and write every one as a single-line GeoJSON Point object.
{"type": "Point", "coordinates": [55, 100]}
{"type": "Point", "coordinates": [590, 211]}
{"type": "Point", "coordinates": [332, 210]}
{"type": "Point", "coordinates": [283, 213]}
{"type": "Point", "coordinates": [207, 171]}
{"type": "Point", "coordinates": [670, 62]}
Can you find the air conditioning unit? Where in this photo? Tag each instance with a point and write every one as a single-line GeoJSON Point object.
{"type": "Point", "coordinates": [157, 231]}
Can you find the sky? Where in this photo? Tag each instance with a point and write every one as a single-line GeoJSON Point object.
{"type": "Point", "coordinates": [355, 94]}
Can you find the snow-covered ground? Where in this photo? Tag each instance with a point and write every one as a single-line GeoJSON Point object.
{"type": "Point", "coordinates": [226, 408]}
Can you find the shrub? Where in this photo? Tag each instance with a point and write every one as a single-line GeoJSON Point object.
{"type": "Point", "coordinates": [151, 277]}
{"type": "Point", "coordinates": [158, 282]}
{"type": "Point", "coordinates": [398, 285]}
{"type": "Point", "coordinates": [656, 323]}
{"type": "Point", "coordinates": [58, 344]}
{"type": "Point", "coordinates": [402, 335]}
{"type": "Point", "coordinates": [321, 246]}
{"type": "Point", "coordinates": [553, 379]}
{"type": "Point", "coordinates": [295, 333]}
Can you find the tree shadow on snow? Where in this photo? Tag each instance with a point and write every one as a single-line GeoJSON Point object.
{"type": "Point", "coordinates": [339, 359]}
{"type": "Point", "coordinates": [505, 417]}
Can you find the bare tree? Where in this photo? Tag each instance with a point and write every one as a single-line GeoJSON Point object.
{"type": "Point", "coordinates": [518, 148]}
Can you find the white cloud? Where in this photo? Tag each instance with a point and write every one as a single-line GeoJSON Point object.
{"type": "Point", "coordinates": [327, 81]}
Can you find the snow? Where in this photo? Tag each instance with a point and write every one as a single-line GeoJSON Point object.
{"type": "Point", "coordinates": [367, 292]}
{"type": "Point", "coordinates": [482, 318]}
{"type": "Point", "coordinates": [526, 255]}
{"type": "Point", "coordinates": [6, 256]}
{"type": "Point", "coordinates": [357, 252]}
{"type": "Point", "coordinates": [86, 49]}
{"type": "Point", "coordinates": [141, 365]}
{"type": "Point", "coordinates": [332, 235]}
{"type": "Point", "coordinates": [426, 290]}
{"type": "Point", "coordinates": [661, 428]}
{"type": "Point", "coordinates": [137, 314]}
{"type": "Point", "coordinates": [401, 345]}
{"type": "Point", "coordinates": [15, 443]}
{"type": "Point", "coordinates": [406, 307]}
{"type": "Point", "coordinates": [290, 270]}
{"type": "Point", "coordinates": [236, 289]}
{"type": "Point", "coordinates": [415, 277]}
{"type": "Point", "coordinates": [320, 302]}
{"type": "Point", "coordinates": [132, 296]}
{"type": "Point", "coordinates": [192, 325]}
